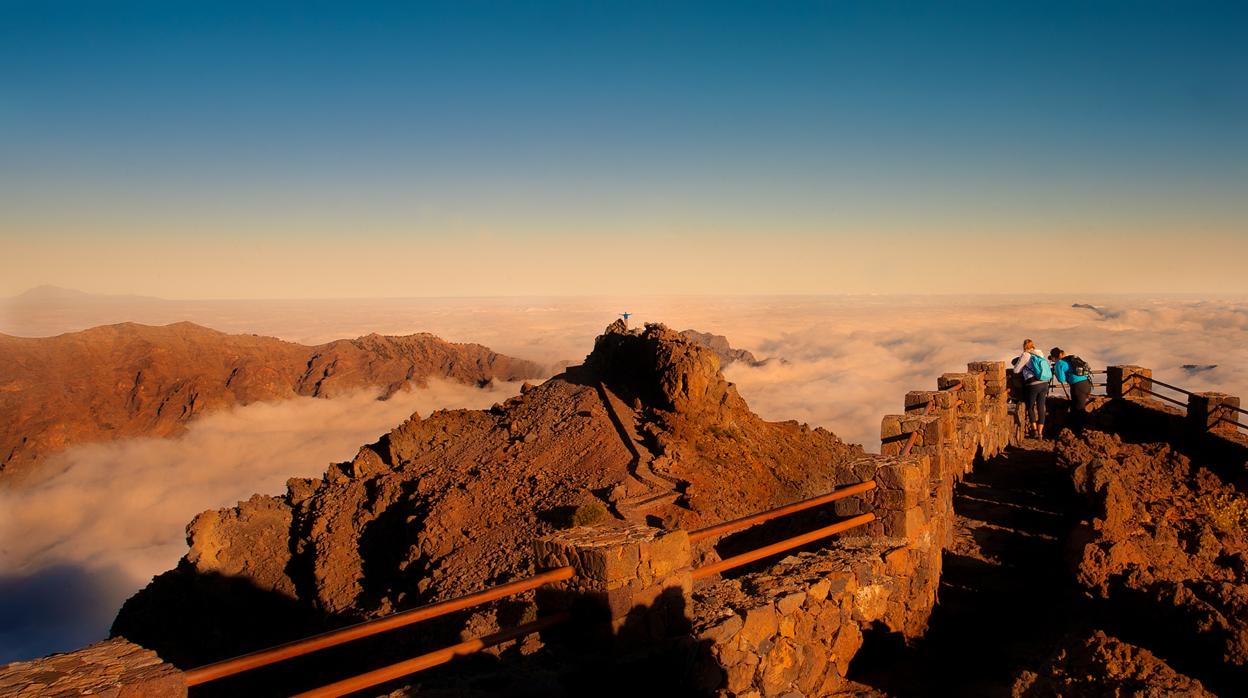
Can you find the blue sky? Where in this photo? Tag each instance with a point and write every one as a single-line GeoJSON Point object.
{"type": "Point", "coordinates": [471, 137]}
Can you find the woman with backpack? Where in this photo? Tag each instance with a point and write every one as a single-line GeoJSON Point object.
{"type": "Point", "coordinates": [1074, 371]}
{"type": "Point", "coordinates": [1037, 373]}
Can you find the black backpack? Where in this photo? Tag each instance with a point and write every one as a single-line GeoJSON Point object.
{"type": "Point", "coordinates": [1078, 367]}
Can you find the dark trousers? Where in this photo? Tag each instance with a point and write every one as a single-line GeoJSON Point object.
{"type": "Point", "coordinates": [1079, 394]}
{"type": "Point", "coordinates": [1037, 395]}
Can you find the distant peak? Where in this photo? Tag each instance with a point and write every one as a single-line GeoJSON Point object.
{"type": "Point", "coordinates": [48, 293]}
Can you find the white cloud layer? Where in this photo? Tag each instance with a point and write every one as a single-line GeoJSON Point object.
{"type": "Point", "coordinates": [103, 518]}
{"type": "Point", "coordinates": [117, 511]}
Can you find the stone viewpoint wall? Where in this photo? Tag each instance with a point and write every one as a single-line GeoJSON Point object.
{"type": "Point", "coordinates": [792, 629]}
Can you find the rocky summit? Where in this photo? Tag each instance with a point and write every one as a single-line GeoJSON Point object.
{"type": "Point", "coordinates": [646, 430]}
{"type": "Point", "coordinates": [126, 380]}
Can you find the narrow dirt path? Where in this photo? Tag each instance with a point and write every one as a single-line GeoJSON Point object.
{"type": "Point", "coordinates": [1005, 596]}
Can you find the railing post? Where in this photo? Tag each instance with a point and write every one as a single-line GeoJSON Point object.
{"type": "Point", "coordinates": [1127, 381]}
{"type": "Point", "coordinates": [902, 488]}
{"type": "Point", "coordinates": [971, 393]}
{"type": "Point", "coordinates": [943, 406]}
{"type": "Point", "coordinates": [632, 581]}
{"type": "Point", "coordinates": [994, 376]}
{"type": "Point", "coordinates": [1208, 412]}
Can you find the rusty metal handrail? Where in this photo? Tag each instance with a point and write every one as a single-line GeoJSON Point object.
{"type": "Point", "coordinates": [1150, 379]}
{"type": "Point", "coordinates": [914, 435]}
{"type": "Point", "coordinates": [786, 544]}
{"type": "Point", "coordinates": [1234, 408]}
{"type": "Point", "coordinates": [747, 521]}
{"type": "Point", "coordinates": [254, 660]}
{"type": "Point", "coordinates": [1158, 395]}
{"type": "Point", "coordinates": [432, 659]}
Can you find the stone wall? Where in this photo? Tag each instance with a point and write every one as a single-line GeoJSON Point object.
{"type": "Point", "coordinates": [110, 669]}
{"type": "Point", "coordinates": [794, 628]}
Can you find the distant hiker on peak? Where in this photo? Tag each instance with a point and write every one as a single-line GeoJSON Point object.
{"type": "Point", "coordinates": [1037, 373]}
{"type": "Point", "coordinates": [1076, 373]}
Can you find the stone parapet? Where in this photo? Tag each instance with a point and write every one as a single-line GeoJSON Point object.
{"type": "Point", "coordinates": [794, 628]}
{"type": "Point", "coordinates": [1128, 381]}
{"type": "Point", "coordinates": [970, 395]}
{"type": "Point", "coordinates": [633, 581]}
{"type": "Point", "coordinates": [994, 376]}
{"type": "Point", "coordinates": [1212, 412]}
{"type": "Point", "coordinates": [114, 668]}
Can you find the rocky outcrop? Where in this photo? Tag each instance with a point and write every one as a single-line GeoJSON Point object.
{"type": "Point", "coordinates": [1099, 665]}
{"type": "Point", "coordinates": [129, 380]}
{"type": "Point", "coordinates": [448, 504]}
{"type": "Point", "coordinates": [1166, 534]}
{"type": "Point", "coordinates": [719, 344]}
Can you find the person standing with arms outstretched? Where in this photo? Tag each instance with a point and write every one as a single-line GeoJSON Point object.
{"type": "Point", "coordinates": [1037, 373]}
{"type": "Point", "coordinates": [1073, 371]}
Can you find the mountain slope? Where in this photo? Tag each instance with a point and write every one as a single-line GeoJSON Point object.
{"type": "Point", "coordinates": [442, 506]}
{"type": "Point", "coordinates": [127, 380]}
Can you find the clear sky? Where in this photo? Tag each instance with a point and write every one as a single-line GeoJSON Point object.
{"type": "Point", "coordinates": [308, 149]}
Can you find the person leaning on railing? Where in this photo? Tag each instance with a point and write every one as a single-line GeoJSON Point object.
{"type": "Point", "coordinates": [1035, 385]}
{"type": "Point", "coordinates": [1074, 372]}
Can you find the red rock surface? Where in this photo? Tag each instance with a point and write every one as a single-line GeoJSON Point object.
{"type": "Point", "coordinates": [450, 504]}
{"type": "Point", "coordinates": [1099, 665]}
{"type": "Point", "coordinates": [1166, 532]}
{"type": "Point", "coordinates": [128, 380]}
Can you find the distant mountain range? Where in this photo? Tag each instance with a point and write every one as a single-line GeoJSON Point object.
{"type": "Point", "coordinates": [126, 380]}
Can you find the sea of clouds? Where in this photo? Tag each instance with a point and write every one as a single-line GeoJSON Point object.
{"type": "Point", "coordinates": [104, 518]}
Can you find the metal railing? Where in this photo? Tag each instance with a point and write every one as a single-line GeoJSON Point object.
{"type": "Point", "coordinates": [432, 659]}
{"type": "Point", "coordinates": [272, 655]}
{"type": "Point", "coordinates": [747, 521]}
{"type": "Point", "coordinates": [1130, 386]}
{"type": "Point", "coordinates": [787, 544]}
{"type": "Point", "coordinates": [290, 650]}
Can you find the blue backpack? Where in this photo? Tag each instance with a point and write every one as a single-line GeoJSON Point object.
{"type": "Point", "coordinates": [1040, 369]}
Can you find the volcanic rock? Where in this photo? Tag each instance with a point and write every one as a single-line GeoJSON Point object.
{"type": "Point", "coordinates": [449, 504]}
{"type": "Point", "coordinates": [1099, 665]}
{"type": "Point", "coordinates": [719, 344]}
{"type": "Point", "coordinates": [127, 380]}
{"type": "Point", "coordinates": [1164, 533]}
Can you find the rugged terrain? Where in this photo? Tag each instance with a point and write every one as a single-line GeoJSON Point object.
{"type": "Point", "coordinates": [1013, 600]}
{"type": "Point", "coordinates": [128, 380]}
{"type": "Point", "coordinates": [718, 343]}
{"type": "Point", "coordinates": [1166, 537]}
{"type": "Point", "coordinates": [647, 429]}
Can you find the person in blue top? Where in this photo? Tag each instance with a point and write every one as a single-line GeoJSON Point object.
{"type": "Point", "coordinates": [1037, 374]}
{"type": "Point", "coordinates": [1073, 371]}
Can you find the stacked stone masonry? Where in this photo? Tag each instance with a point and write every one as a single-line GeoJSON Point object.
{"type": "Point", "coordinates": [110, 669]}
{"type": "Point", "coordinates": [792, 630]}
{"type": "Point", "coordinates": [635, 578]}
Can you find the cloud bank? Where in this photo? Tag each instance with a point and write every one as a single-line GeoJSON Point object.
{"type": "Point", "coordinates": [102, 519]}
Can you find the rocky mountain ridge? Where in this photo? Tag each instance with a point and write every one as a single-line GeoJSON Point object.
{"type": "Point", "coordinates": [647, 429]}
{"type": "Point", "coordinates": [125, 380]}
